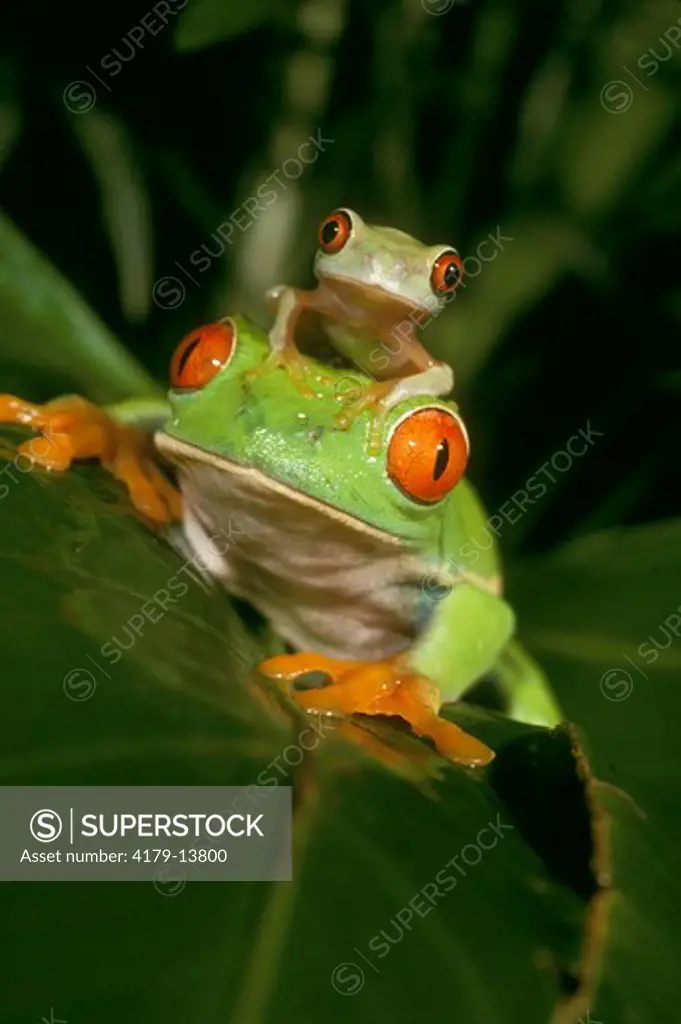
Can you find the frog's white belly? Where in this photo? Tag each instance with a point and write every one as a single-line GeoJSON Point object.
{"type": "Point", "coordinates": [325, 581]}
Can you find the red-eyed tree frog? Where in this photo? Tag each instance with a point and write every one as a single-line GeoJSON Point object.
{"type": "Point", "coordinates": [376, 287]}
{"type": "Point", "coordinates": [361, 562]}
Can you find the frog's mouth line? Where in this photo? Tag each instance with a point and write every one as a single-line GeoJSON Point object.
{"type": "Point", "coordinates": [181, 452]}
{"type": "Point", "coordinates": [380, 296]}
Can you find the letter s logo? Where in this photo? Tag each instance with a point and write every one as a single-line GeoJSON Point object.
{"type": "Point", "coordinates": [45, 826]}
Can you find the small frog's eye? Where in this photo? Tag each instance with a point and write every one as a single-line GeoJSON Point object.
{"type": "Point", "coordinates": [334, 232]}
{"type": "Point", "coordinates": [200, 355]}
{"type": "Point", "coordinates": [428, 453]}
{"type": "Point", "coordinates": [447, 273]}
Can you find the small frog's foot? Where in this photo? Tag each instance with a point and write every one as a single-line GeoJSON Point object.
{"type": "Point", "coordinates": [289, 359]}
{"type": "Point", "coordinates": [373, 397]}
{"type": "Point", "coordinates": [73, 428]}
{"type": "Point", "coordinates": [438, 379]}
{"type": "Point", "coordinates": [378, 688]}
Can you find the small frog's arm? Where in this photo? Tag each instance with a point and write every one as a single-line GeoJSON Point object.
{"type": "Point", "coordinates": [119, 436]}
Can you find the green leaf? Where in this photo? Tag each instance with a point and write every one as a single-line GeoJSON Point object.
{"type": "Point", "coordinates": [603, 618]}
{"type": "Point", "coordinates": [125, 204]}
{"type": "Point", "coordinates": [378, 815]}
{"type": "Point", "coordinates": [206, 22]}
{"type": "Point", "coordinates": [45, 324]}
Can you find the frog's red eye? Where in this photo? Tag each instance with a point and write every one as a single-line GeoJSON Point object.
{"type": "Point", "coordinates": [334, 231]}
{"type": "Point", "coordinates": [200, 355]}
{"type": "Point", "coordinates": [447, 272]}
{"type": "Point", "coordinates": [428, 453]}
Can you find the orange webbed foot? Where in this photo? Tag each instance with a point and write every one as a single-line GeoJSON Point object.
{"type": "Point", "coordinates": [378, 688]}
{"type": "Point", "coordinates": [73, 428]}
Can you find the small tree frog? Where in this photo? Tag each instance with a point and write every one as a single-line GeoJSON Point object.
{"type": "Point", "coordinates": [376, 287]}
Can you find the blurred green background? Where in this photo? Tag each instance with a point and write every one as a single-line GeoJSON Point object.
{"type": "Point", "coordinates": [133, 143]}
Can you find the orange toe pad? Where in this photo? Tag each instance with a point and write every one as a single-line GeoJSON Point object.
{"type": "Point", "coordinates": [378, 688]}
{"type": "Point", "coordinates": [73, 428]}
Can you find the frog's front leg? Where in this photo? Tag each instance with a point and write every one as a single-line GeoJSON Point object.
{"type": "Point", "coordinates": [287, 304]}
{"type": "Point", "coordinates": [73, 428]}
{"type": "Point", "coordinates": [468, 630]}
{"type": "Point", "coordinates": [388, 687]}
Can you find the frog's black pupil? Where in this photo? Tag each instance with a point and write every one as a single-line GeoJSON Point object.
{"type": "Point", "coordinates": [329, 231]}
{"type": "Point", "coordinates": [441, 459]}
{"type": "Point", "coordinates": [451, 275]}
{"type": "Point", "coordinates": [184, 359]}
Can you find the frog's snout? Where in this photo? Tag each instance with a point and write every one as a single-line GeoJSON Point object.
{"type": "Point", "coordinates": [386, 270]}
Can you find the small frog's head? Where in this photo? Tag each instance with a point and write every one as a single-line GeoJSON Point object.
{"type": "Point", "coordinates": [378, 265]}
{"type": "Point", "coordinates": [229, 408]}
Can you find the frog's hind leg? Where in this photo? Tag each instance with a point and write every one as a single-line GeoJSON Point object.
{"type": "Point", "coordinates": [436, 380]}
{"type": "Point", "coordinates": [73, 428]}
{"type": "Point", "coordinates": [387, 687]}
{"type": "Point", "coordinates": [525, 688]}
{"type": "Point", "coordinates": [382, 396]}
